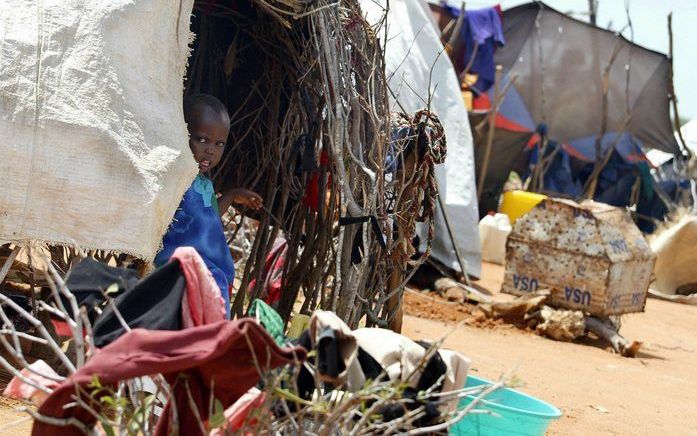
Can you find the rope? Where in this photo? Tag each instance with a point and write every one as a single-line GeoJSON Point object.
{"type": "Point", "coordinates": [423, 134]}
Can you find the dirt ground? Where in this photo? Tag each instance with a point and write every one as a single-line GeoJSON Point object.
{"type": "Point", "coordinates": [598, 392]}
{"type": "Point", "coordinates": [12, 421]}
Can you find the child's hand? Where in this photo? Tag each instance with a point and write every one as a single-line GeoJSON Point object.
{"type": "Point", "coordinates": [247, 198]}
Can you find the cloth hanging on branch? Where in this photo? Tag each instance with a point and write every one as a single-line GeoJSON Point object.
{"type": "Point", "coordinates": [155, 303]}
{"type": "Point", "coordinates": [480, 35]}
{"type": "Point", "coordinates": [179, 295]}
{"type": "Point", "coordinates": [202, 302]}
{"type": "Point", "coordinates": [269, 319]}
{"type": "Point", "coordinates": [272, 276]}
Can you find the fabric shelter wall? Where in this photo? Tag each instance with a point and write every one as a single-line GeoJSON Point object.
{"type": "Point", "coordinates": [560, 62]}
{"type": "Point", "coordinates": [417, 67]}
{"type": "Point", "coordinates": [95, 151]}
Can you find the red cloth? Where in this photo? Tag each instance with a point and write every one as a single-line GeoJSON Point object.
{"type": "Point", "coordinates": [218, 352]}
{"type": "Point", "coordinates": [312, 194]}
{"type": "Point", "coordinates": [273, 272]}
{"type": "Point", "coordinates": [202, 302]}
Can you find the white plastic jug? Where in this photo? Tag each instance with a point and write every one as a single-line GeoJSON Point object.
{"type": "Point", "coordinates": [493, 232]}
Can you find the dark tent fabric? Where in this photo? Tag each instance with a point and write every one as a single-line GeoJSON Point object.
{"type": "Point", "coordinates": [559, 64]}
{"type": "Point", "coordinates": [506, 150]}
{"type": "Point", "coordinates": [569, 171]}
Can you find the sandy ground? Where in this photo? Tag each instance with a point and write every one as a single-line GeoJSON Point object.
{"type": "Point", "coordinates": [598, 392]}
{"type": "Point", "coordinates": [12, 421]}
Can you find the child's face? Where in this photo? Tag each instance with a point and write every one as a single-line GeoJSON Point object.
{"type": "Point", "coordinates": [208, 131]}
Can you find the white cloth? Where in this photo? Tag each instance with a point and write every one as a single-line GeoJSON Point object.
{"type": "Point", "coordinates": [352, 374]}
{"type": "Point", "coordinates": [676, 256]}
{"type": "Point", "coordinates": [456, 375]}
{"type": "Point", "coordinates": [398, 355]}
{"type": "Point", "coordinates": [415, 60]}
{"type": "Point", "coordinates": [95, 151]}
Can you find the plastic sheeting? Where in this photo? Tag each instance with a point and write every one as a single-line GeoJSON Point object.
{"type": "Point", "coordinates": [95, 151]}
{"type": "Point", "coordinates": [417, 64]}
{"type": "Point", "coordinates": [560, 63]}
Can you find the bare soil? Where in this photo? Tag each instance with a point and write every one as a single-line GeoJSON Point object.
{"type": "Point", "coordinates": [598, 392]}
{"type": "Point", "coordinates": [12, 420]}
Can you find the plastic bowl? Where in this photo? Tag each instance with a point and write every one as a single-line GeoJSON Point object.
{"type": "Point", "coordinates": [513, 413]}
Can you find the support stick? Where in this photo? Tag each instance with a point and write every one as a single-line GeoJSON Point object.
{"type": "Point", "coordinates": [460, 259]}
{"type": "Point", "coordinates": [673, 97]}
{"type": "Point", "coordinates": [8, 263]}
{"type": "Point", "coordinates": [490, 135]}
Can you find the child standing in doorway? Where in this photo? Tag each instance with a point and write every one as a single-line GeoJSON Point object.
{"type": "Point", "coordinates": [197, 222]}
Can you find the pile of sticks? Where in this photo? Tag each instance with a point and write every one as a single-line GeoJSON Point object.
{"type": "Point", "coordinates": [306, 89]}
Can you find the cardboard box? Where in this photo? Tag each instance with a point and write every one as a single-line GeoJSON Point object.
{"type": "Point", "coordinates": [591, 257]}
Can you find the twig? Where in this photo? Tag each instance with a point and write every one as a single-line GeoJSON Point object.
{"type": "Point", "coordinates": [42, 330]}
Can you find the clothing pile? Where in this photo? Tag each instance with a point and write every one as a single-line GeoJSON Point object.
{"type": "Point", "coordinates": [177, 328]}
{"type": "Point", "coordinates": [213, 360]}
{"type": "Point", "coordinates": [181, 294]}
{"type": "Point", "coordinates": [351, 358]}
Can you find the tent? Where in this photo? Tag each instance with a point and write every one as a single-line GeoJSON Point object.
{"type": "Point", "coordinates": [416, 65]}
{"type": "Point", "coordinates": [508, 154]}
{"type": "Point", "coordinates": [546, 48]}
{"type": "Point", "coordinates": [674, 174]}
{"type": "Point", "coordinates": [689, 134]}
{"type": "Point", "coordinates": [559, 64]}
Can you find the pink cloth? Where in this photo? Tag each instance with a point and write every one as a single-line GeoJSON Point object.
{"type": "Point", "coordinates": [19, 390]}
{"type": "Point", "coordinates": [236, 415]}
{"type": "Point", "coordinates": [202, 303]}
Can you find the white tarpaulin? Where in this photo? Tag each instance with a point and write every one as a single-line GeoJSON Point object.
{"type": "Point", "coordinates": [95, 151]}
{"type": "Point", "coordinates": [417, 64]}
{"type": "Point", "coordinates": [676, 257]}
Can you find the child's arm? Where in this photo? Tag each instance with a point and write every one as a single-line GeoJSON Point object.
{"type": "Point", "coordinates": [241, 197]}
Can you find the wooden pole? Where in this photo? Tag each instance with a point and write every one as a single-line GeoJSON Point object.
{"type": "Point", "coordinates": [8, 264]}
{"type": "Point", "coordinates": [458, 255]}
{"type": "Point", "coordinates": [453, 40]}
{"type": "Point", "coordinates": [591, 183]}
{"type": "Point", "coordinates": [593, 11]}
{"type": "Point", "coordinates": [490, 133]}
{"type": "Point", "coordinates": [673, 97]}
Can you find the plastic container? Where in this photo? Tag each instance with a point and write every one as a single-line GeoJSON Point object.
{"type": "Point", "coordinates": [493, 232]}
{"type": "Point", "coordinates": [515, 413]}
{"type": "Point", "coordinates": [298, 324]}
{"type": "Point", "coordinates": [517, 203]}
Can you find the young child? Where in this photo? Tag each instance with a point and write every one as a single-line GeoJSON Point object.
{"type": "Point", "coordinates": [197, 221]}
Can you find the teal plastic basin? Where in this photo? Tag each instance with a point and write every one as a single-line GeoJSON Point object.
{"type": "Point", "coordinates": [518, 413]}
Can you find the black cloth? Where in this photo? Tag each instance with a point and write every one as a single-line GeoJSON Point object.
{"type": "Point", "coordinates": [329, 360]}
{"type": "Point", "coordinates": [433, 371]}
{"type": "Point", "coordinates": [154, 303]}
{"type": "Point", "coordinates": [89, 279]}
